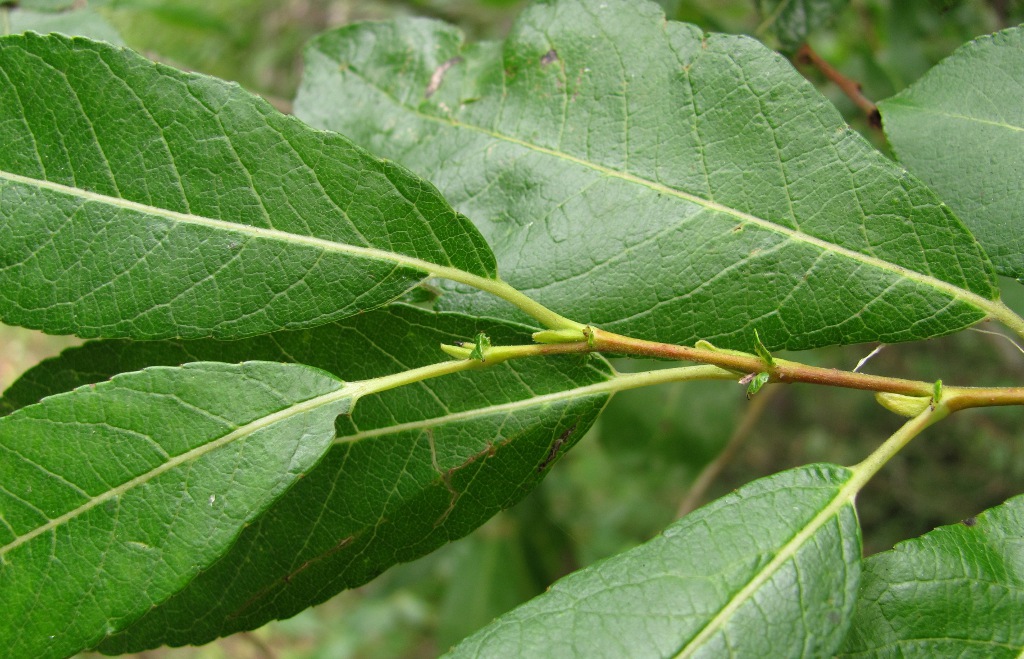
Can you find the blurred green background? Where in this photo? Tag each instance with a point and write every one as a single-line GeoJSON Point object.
{"type": "Point", "coordinates": [635, 471]}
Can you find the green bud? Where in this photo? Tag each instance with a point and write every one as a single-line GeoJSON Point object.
{"type": "Point", "coordinates": [559, 336]}
{"type": "Point", "coordinates": [903, 405]}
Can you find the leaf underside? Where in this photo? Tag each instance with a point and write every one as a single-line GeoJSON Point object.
{"type": "Point", "coordinates": [642, 176]}
{"type": "Point", "coordinates": [955, 592]}
{"type": "Point", "coordinates": [140, 201]}
{"type": "Point", "coordinates": [414, 468]}
{"type": "Point", "coordinates": [116, 495]}
{"type": "Point", "coordinates": [706, 585]}
{"type": "Point", "coordinates": [961, 129]}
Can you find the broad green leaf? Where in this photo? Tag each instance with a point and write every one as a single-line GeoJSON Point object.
{"type": "Point", "coordinates": [955, 592]}
{"type": "Point", "coordinates": [792, 20]}
{"type": "Point", "coordinates": [411, 469]}
{"type": "Point", "coordinates": [82, 22]}
{"type": "Point", "coordinates": [961, 129]}
{"type": "Point", "coordinates": [770, 570]}
{"type": "Point", "coordinates": [117, 495]}
{"type": "Point", "coordinates": [642, 176]}
{"type": "Point", "coordinates": [136, 200]}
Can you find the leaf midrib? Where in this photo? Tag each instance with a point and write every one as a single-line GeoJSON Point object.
{"type": "Point", "coordinates": [372, 253]}
{"type": "Point", "coordinates": [346, 390]}
{"type": "Point", "coordinates": [612, 384]}
{"type": "Point", "coordinates": [843, 497]}
{"type": "Point", "coordinates": [951, 115]}
{"type": "Point", "coordinates": [945, 287]}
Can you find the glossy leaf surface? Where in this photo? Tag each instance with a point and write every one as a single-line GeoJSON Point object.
{"type": "Point", "coordinates": [136, 200]}
{"type": "Point", "coordinates": [770, 570]}
{"type": "Point", "coordinates": [955, 592]}
{"type": "Point", "coordinates": [115, 496]}
{"type": "Point", "coordinates": [412, 469]}
{"type": "Point", "coordinates": [961, 129]}
{"type": "Point", "coordinates": [642, 176]}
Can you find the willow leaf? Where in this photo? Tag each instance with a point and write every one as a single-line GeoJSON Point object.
{"type": "Point", "coordinates": [136, 200]}
{"type": "Point", "coordinates": [770, 570]}
{"type": "Point", "coordinates": [957, 591]}
{"type": "Point", "coordinates": [961, 129]}
{"type": "Point", "coordinates": [115, 496]}
{"type": "Point", "coordinates": [411, 469]}
{"type": "Point", "coordinates": [642, 176]}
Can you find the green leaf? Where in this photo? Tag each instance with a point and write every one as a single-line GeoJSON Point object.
{"type": "Point", "coordinates": [480, 345]}
{"type": "Point", "coordinates": [761, 351]}
{"type": "Point", "coordinates": [117, 495]}
{"type": "Point", "coordinates": [412, 468]}
{"type": "Point", "coordinates": [792, 20]}
{"type": "Point", "coordinates": [961, 129]}
{"type": "Point", "coordinates": [957, 591]}
{"type": "Point", "coordinates": [649, 179]}
{"type": "Point", "coordinates": [136, 200]}
{"type": "Point", "coordinates": [770, 570]}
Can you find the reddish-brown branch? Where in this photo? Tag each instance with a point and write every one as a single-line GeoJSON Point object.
{"type": "Point", "coordinates": [850, 87]}
{"type": "Point", "coordinates": [782, 371]}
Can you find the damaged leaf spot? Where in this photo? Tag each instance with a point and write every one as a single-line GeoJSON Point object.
{"type": "Point", "coordinates": [438, 76]}
{"type": "Point", "coordinates": [549, 57]}
{"type": "Point", "coordinates": [556, 447]}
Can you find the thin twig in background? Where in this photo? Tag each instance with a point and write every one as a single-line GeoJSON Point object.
{"type": "Point", "coordinates": [261, 648]}
{"type": "Point", "coordinates": [739, 435]}
{"type": "Point", "coordinates": [806, 54]}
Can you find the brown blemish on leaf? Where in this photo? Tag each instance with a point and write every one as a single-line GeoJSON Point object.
{"type": "Point", "coordinates": [556, 447]}
{"type": "Point", "coordinates": [549, 57]}
{"type": "Point", "coordinates": [437, 77]}
{"type": "Point", "coordinates": [287, 579]}
{"type": "Point", "coordinates": [446, 475]}
{"type": "Point", "coordinates": [970, 521]}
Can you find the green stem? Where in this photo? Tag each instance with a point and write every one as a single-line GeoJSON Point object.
{"type": "Point", "coordinates": [377, 385]}
{"type": "Point", "coordinates": [782, 370]}
{"type": "Point", "coordinates": [737, 364]}
{"type": "Point", "coordinates": [505, 291]}
{"type": "Point", "coordinates": [962, 398]}
{"type": "Point", "coordinates": [620, 382]}
{"type": "Point", "coordinates": [874, 462]}
{"type": "Point", "coordinates": [997, 309]}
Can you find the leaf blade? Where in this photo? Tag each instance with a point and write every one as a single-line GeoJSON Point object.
{"type": "Point", "coordinates": [956, 590]}
{"type": "Point", "coordinates": [961, 130]}
{"type": "Point", "coordinates": [412, 468]}
{"type": "Point", "coordinates": [592, 115]}
{"type": "Point", "coordinates": [698, 596]}
{"type": "Point", "coordinates": [134, 499]}
{"type": "Point", "coordinates": [242, 220]}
